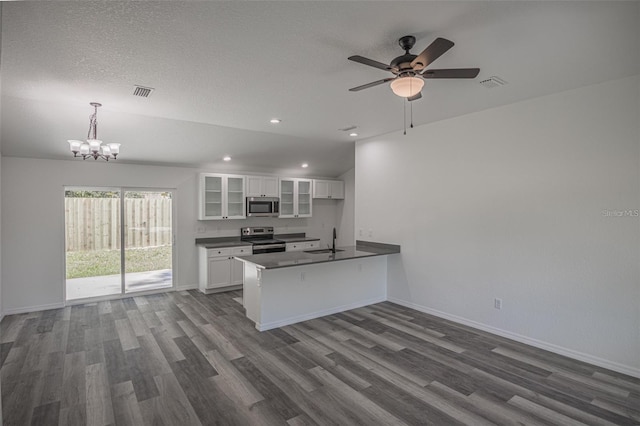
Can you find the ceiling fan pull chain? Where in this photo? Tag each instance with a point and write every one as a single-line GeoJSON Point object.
{"type": "Point", "coordinates": [404, 116]}
{"type": "Point", "coordinates": [411, 115]}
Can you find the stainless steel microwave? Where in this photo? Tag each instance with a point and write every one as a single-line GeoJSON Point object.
{"type": "Point", "coordinates": [263, 206]}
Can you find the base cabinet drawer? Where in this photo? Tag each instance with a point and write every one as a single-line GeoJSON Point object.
{"type": "Point", "coordinates": [303, 245]}
{"type": "Point", "coordinates": [309, 245]}
{"type": "Point", "coordinates": [295, 247]}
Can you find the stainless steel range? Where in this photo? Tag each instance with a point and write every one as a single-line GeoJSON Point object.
{"type": "Point", "coordinates": [262, 239]}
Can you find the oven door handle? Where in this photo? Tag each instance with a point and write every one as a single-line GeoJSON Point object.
{"type": "Point", "coordinates": [268, 246]}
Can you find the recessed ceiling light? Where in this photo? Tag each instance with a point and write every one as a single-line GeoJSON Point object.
{"type": "Point", "coordinates": [354, 134]}
{"type": "Point", "coordinates": [275, 121]}
{"type": "Point", "coordinates": [226, 158]}
{"type": "Point", "coordinates": [305, 165]}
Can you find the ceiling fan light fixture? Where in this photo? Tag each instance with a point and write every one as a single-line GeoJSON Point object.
{"type": "Point", "coordinates": [405, 87]}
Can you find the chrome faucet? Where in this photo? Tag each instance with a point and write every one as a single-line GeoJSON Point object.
{"type": "Point", "coordinates": [333, 249]}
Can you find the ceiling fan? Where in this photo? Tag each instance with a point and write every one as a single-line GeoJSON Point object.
{"type": "Point", "coordinates": [410, 70]}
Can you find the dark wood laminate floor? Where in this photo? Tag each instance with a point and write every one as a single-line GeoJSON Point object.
{"type": "Point", "coordinates": [189, 359]}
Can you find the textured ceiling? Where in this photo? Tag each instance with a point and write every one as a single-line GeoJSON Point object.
{"type": "Point", "coordinates": [221, 70]}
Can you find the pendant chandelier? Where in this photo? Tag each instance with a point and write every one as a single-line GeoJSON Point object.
{"type": "Point", "coordinates": [93, 146]}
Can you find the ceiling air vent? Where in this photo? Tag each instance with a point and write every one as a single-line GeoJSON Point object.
{"type": "Point", "coordinates": [346, 129]}
{"type": "Point", "coordinates": [492, 82]}
{"type": "Point", "coordinates": [143, 92]}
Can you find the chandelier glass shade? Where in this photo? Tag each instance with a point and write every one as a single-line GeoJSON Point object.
{"type": "Point", "coordinates": [405, 87]}
{"type": "Point", "coordinates": [93, 146]}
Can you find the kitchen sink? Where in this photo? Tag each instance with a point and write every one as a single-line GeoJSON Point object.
{"type": "Point", "coordinates": [322, 251]}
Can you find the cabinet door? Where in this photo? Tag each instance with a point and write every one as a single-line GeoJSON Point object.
{"type": "Point", "coordinates": [235, 197]}
{"type": "Point", "coordinates": [211, 197]}
{"type": "Point", "coordinates": [237, 272]}
{"type": "Point", "coordinates": [254, 186]}
{"type": "Point", "coordinates": [321, 188]}
{"type": "Point", "coordinates": [270, 186]}
{"type": "Point", "coordinates": [219, 272]}
{"type": "Point", "coordinates": [262, 186]}
{"type": "Point", "coordinates": [304, 198]}
{"type": "Point", "coordinates": [286, 198]}
{"type": "Point", "coordinates": [336, 189]}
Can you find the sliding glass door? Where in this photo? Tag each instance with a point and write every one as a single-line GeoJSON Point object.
{"type": "Point", "coordinates": [148, 239]}
{"type": "Point", "coordinates": [118, 241]}
{"type": "Point", "coordinates": [92, 238]}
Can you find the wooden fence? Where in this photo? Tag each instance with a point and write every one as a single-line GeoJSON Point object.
{"type": "Point", "coordinates": [94, 223]}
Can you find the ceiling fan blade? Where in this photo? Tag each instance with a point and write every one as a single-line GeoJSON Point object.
{"type": "Point", "coordinates": [366, 86]}
{"type": "Point", "coordinates": [431, 53]}
{"type": "Point", "coordinates": [370, 62]}
{"type": "Point", "coordinates": [415, 97]}
{"type": "Point", "coordinates": [451, 73]}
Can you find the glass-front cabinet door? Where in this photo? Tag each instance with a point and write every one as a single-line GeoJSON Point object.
{"type": "Point", "coordinates": [212, 197]}
{"type": "Point", "coordinates": [295, 197]}
{"type": "Point", "coordinates": [286, 198]}
{"type": "Point", "coordinates": [221, 197]}
{"type": "Point", "coordinates": [235, 197]}
{"type": "Point", "coordinates": [304, 198]}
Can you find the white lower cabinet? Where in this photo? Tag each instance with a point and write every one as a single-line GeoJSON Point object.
{"type": "Point", "coordinates": [219, 271]}
{"type": "Point", "coordinates": [304, 245]}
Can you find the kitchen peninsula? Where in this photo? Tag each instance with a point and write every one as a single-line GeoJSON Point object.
{"type": "Point", "coordinates": [289, 287]}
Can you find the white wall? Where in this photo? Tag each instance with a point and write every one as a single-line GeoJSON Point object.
{"type": "Point", "coordinates": [346, 210]}
{"type": "Point", "coordinates": [33, 222]}
{"type": "Point", "coordinates": [1, 304]}
{"type": "Point", "coordinates": [507, 203]}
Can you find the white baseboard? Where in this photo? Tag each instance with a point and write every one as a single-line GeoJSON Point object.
{"type": "Point", "coordinates": [318, 314]}
{"type": "Point", "coordinates": [33, 309]}
{"type": "Point", "coordinates": [187, 287]}
{"type": "Point", "coordinates": [580, 356]}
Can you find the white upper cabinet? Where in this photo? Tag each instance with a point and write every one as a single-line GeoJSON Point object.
{"type": "Point", "coordinates": [295, 197]}
{"type": "Point", "coordinates": [221, 196]}
{"type": "Point", "coordinates": [262, 186]}
{"type": "Point", "coordinates": [333, 189]}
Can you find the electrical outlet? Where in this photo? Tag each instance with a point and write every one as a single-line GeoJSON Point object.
{"type": "Point", "coordinates": [497, 303]}
{"type": "Point", "coordinates": [359, 267]}
{"type": "Point", "coordinates": [302, 276]}
{"type": "Point", "coordinates": [370, 233]}
{"type": "Point", "coordinates": [201, 230]}
{"type": "Point", "coordinates": [360, 232]}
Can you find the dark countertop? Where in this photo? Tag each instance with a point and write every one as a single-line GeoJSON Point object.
{"type": "Point", "coordinates": [294, 238]}
{"type": "Point", "coordinates": [300, 258]}
{"type": "Point", "coordinates": [219, 242]}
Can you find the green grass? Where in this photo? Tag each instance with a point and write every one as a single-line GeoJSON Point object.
{"type": "Point", "coordinates": [82, 264]}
